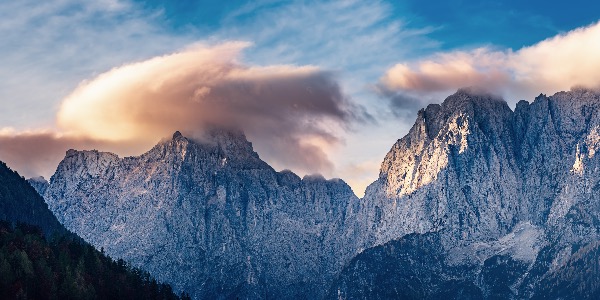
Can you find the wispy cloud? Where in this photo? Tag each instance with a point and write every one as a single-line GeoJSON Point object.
{"type": "Point", "coordinates": [356, 38]}
{"type": "Point", "coordinates": [555, 64]}
{"type": "Point", "coordinates": [48, 47]}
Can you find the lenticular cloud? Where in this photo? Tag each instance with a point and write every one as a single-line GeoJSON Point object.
{"type": "Point", "coordinates": [291, 113]}
{"type": "Point", "coordinates": [552, 65]}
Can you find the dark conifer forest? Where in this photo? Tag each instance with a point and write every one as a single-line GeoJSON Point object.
{"type": "Point", "coordinates": [31, 267]}
{"type": "Point", "coordinates": [40, 259]}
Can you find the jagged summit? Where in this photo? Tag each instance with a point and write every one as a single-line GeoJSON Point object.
{"type": "Point", "coordinates": [490, 185]}
{"type": "Point", "coordinates": [501, 189]}
{"type": "Point", "coordinates": [474, 103]}
{"type": "Point", "coordinates": [207, 215]}
{"type": "Point", "coordinates": [473, 144]}
{"type": "Point", "coordinates": [177, 135]}
{"type": "Point", "coordinates": [229, 141]}
{"type": "Point", "coordinates": [476, 94]}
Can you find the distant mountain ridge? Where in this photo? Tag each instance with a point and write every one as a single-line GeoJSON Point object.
{"type": "Point", "coordinates": [507, 198]}
{"type": "Point", "coordinates": [40, 184]}
{"type": "Point", "coordinates": [210, 217]}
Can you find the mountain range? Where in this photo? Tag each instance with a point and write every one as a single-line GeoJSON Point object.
{"type": "Point", "coordinates": [476, 201]}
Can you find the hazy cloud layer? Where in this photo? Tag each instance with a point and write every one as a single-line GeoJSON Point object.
{"type": "Point", "coordinates": [49, 47]}
{"type": "Point", "coordinates": [39, 153]}
{"type": "Point", "coordinates": [290, 113]}
{"type": "Point", "coordinates": [555, 64]}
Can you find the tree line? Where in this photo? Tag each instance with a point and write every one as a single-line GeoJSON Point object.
{"type": "Point", "coordinates": [62, 267]}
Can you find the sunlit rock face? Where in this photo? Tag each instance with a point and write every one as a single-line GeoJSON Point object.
{"type": "Point", "coordinates": [509, 198]}
{"type": "Point", "coordinates": [474, 168]}
{"type": "Point", "coordinates": [455, 170]}
{"type": "Point", "coordinates": [210, 217]}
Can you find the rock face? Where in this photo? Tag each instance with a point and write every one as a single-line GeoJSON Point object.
{"type": "Point", "coordinates": [456, 169]}
{"type": "Point", "coordinates": [507, 194]}
{"type": "Point", "coordinates": [475, 168]}
{"type": "Point", "coordinates": [475, 201]}
{"type": "Point", "coordinates": [211, 218]}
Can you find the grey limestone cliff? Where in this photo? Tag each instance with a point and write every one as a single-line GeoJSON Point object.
{"type": "Point", "coordinates": [499, 189]}
{"type": "Point", "coordinates": [507, 198]}
{"type": "Point", "coordinates": [210, 217]}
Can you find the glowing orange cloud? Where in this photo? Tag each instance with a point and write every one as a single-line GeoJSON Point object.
{"type": "Point", "coordinates": [290, 113]}
{"type": "Point", "coordinates": [555, 64]}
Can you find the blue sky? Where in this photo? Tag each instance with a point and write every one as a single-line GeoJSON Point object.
{"type": "Point", "coordinates": [457, 23]}
{"type": "Point", "coordinates": [389, 58]}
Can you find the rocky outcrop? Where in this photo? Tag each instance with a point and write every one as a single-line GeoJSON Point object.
{"type": "Point", "coordinates": [208, 216]}
{"type": "Point", "coordinates": [477, 169]}
{"type": "Point", "coordinates": [516, 192]}
{"type": "Point", "coordinates": [454, 170]}
{"type": "Point", "coordinates": [485, 201]}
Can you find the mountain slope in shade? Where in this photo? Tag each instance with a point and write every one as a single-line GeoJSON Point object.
{"type": "Point", "coordinates": [575, 279]}
{"type": "Point", "coordinates": [511, 195]}
{"type": "Point", "coordinates": [208, 216]}
{"type": "Point", "coordinates": [19, 203]}
{"type": "Point", "coordinates": [33, 267]}
{"type": "Point", "coordinates": [416, 267]}
{"type": "Point", "coordinates": [410, 268]}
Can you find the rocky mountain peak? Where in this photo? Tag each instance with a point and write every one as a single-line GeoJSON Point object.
{"type": "Point", "coordinates": [205, 214]}
{"type": "Point", "coordinates": [502, 190]}
{"type": "Point", "coordinates": [39, 183]}
{"type": "Point", "coordinates": [230, 140]}
{"type": "Point", "coordinates": [91, 162]}
{"type": "Point", "coordinates": [484, 185]}
{"type": "Point", "coordinates": [476, 104]}
{"type": "Point", "coordinates": [177, 135]}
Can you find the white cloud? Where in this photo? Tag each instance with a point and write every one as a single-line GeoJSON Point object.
{"type": "Point", "coordinates": [356, 38]}
{"type": "Point", "coordinates": [555, 64]}
{"type": "Point", "coordinates": [48, 47]}
{"type": "Point", "coordinates": [290, 113]}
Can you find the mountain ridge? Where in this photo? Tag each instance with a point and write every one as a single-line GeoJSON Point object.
{"type": "Point", "coordinates": [41, 259]}
{"type": "Point", "coordinates": [490, 178]}
{"type": "Point", "coordinates": [495, 187]}
{"type": "Point", "coordinates": [185, 201]}
{"type": "Point", "coordinates": [19, 203]}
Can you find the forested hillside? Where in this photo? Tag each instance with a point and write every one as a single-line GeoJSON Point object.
{"type": "Point", "coordinates": [31, 267]}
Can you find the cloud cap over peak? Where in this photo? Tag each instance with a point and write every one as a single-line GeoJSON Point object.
{"type": "Point", "coordinates": [291, 113]}
{"type": "Point", "coordinates": [555, 64]}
